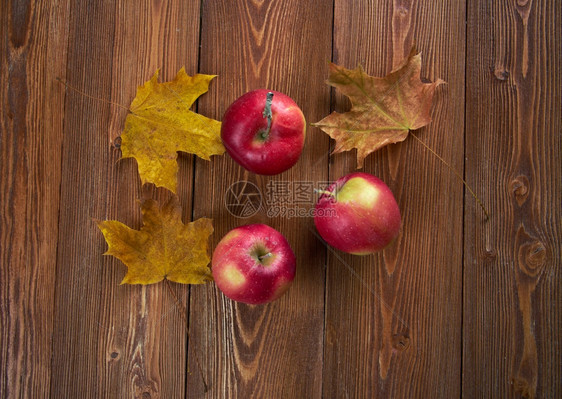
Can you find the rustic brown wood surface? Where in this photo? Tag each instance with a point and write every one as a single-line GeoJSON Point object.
{"type": "Point", "coordinates": [457, 307]}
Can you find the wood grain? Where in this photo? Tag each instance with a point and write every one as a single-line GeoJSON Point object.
{"type": "Point", "coordinates": [112, 340]}
{"type": "Point", "coordinates": [512, 301]}
{"type": "Point", "coordinates": [393, 319]}
{"type": "Point", "coordinates": [457, 307]}
{"type": "Point", "coordinates": [271, 350]}
{"type": "Point", "coordinates": [31, 117]}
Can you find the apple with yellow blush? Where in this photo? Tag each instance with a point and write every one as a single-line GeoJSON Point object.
{"type": "Point", "coordinates": [358, 214]}
{"type": "Point", "coordinates": [253, 264]}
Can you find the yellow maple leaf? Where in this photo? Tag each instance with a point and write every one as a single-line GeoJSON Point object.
{"type": "Point", "coordinates": [160, 124]}
{"type": "Point", "coordinates": [164, 247]}
{"type": "Point", "coordinates": [383, 110]}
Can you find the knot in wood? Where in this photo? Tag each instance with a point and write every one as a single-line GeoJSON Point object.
{"type": "Point", "coordinates": [113, 356]}
{"type": "Point", "coordinates": [490, 255]}
{"type": "Point", "coordinates": [519, 188]}
{"type": "Point", "coordinates": [400, 342]}
{"type": "Point", "coordinates": [532, 258]}
{"type": "Point", "coordinates": [402, 11]}
{"type": "Point", "coordinates": [501, 74]}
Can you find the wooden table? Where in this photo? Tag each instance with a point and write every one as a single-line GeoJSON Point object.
{"type": "Point", "coordinates": [458, 306]}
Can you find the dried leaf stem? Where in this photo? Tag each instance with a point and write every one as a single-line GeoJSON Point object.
{"type": "Point", "coordinates": [65, 84]}
{"type": "Point", "coordinates": [457, 174]}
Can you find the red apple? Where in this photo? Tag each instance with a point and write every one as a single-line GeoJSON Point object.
{"type": "Point", "coordinates": [357, 214]}
{"type": "Point", "coordinates": [253, 264]}
{"type": "Point", "coordinates": [264, 131]}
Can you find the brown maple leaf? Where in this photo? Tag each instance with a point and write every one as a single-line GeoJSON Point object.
{"type": "Point", "coordinates": [160, 124]}
{"type": "Point", "coordinates": [164, 247]}
{"type": "Point", "coordinates": [383, 110]}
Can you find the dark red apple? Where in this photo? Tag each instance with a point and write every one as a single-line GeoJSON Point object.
{"type": "Point", "coordinates": [253, 264]}
{"type": "Point", "coordinates": [264, 131]}
{"type": "Point", "coordinates": [357, 214]}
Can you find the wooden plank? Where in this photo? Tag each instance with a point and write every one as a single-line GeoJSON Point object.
{"type": "Point", "coordinates": [272, 350]}
{"type": "Point", "coordinates": [513, 300]}
{"type": "Point", "coordinates": [112, 340]}
{"type": "Point", "coordinates": [393, 319]}
{"type": "Point", "coordinates": [31, 117]}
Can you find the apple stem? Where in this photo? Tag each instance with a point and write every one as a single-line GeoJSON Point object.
{"type": "Point", "coordinates": [267, 113]}
{"type": "Point", "coordinates": [325, 192]}
{"type": "Point", "coordinates": [267, 255]}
